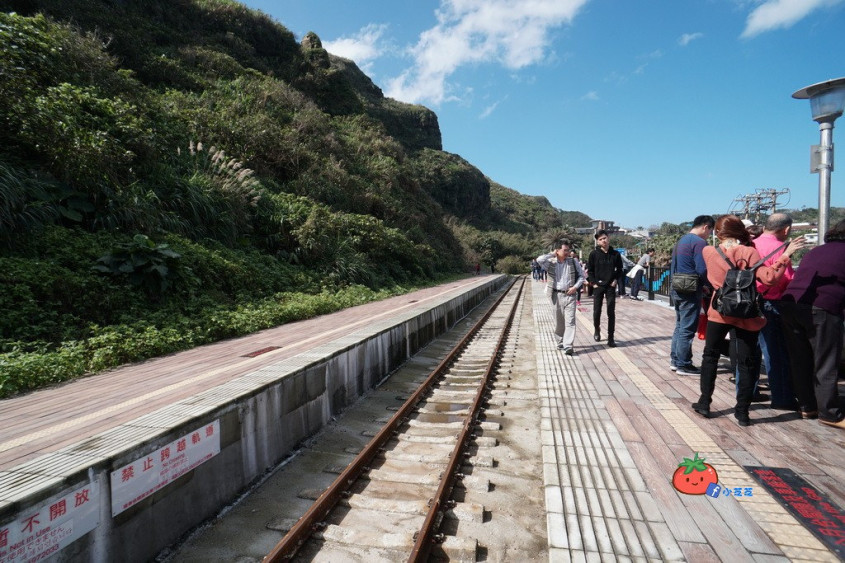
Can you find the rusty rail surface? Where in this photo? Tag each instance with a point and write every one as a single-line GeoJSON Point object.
{"type": "Point", "coordinates": [425, 537]}
{"type": "Point", "coordinates": [326, 502]}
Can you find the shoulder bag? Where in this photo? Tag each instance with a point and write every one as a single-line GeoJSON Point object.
{"type": "Point", "coordinates": [683, 284]}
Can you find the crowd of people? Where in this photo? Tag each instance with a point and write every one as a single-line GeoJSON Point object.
{"type": "Point", "coordinates": [792, 325]}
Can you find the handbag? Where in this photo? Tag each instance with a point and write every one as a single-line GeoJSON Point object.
{"type": "Point", "coordinates": [683, 284]}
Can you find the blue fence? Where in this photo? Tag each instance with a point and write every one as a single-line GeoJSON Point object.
{"type": "Point", "coordinates": [658, 282]}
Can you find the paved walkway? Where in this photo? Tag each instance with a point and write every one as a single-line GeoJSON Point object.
{"type": "Point", "coordinates": [617, 422]}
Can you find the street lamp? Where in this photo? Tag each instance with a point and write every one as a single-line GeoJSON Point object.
{"type": "Point", "coordinates": [827, 100]}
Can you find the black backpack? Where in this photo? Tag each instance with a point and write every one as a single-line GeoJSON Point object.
{"type": "Point", "coordinates": [738, 296]}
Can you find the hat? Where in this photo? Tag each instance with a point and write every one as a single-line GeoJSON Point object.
{"type": "Point", "coordinates": [747, 223]}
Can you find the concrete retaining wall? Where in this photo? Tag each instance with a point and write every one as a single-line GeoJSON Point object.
{"type": "Point", "coordinates": [249, 425]}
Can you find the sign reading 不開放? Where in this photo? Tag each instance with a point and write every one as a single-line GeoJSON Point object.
{"type": "Point", "coordinates": [134, 482]}
{"type": "Point", "coordinates": [809, 505]}
{"type": "Point", "coordinates": [44, 530]}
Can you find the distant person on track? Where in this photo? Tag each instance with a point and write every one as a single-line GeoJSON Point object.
{"type": "Point", "coordinates": [637, 273]}
{"type": "Point", "coordinates": [687, 259]}
{"type": "Point", "coordinates": [565, 278]}
{"type": "Point", "coordinates": [604, 266]}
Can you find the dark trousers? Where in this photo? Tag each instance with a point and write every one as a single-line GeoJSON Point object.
{"type": "Point", "coordinates": [636, 283]}
{"type": "Point", "coordinates": [814, 339]}
{"type": "Point", "coordinates": [756, 360]}
{"type": "Point", "coordinates": [601, 293]}
{"type": "Point", "coordinates": [746, 344]}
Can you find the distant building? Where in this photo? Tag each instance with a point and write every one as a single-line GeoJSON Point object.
{"type": "Point", "coordinates": [598, 225]}
{"type": "Point", "coordinates": [641, 233]}
{"type": "Point", "coordinates": [809, 230]}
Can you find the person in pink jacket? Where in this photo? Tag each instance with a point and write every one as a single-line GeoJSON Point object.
{"type": "Point", "coordinates": [734, 241]}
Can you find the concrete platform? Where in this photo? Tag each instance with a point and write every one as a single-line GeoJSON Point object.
{"type": "Point", "coordinates": [117, 466]}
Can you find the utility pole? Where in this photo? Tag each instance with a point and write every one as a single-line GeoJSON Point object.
{"type": "Point", "coordinates": [763, 200]}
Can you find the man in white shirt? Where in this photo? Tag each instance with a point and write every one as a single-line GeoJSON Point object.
{"type": "Point", "coordinates": [565, 277]}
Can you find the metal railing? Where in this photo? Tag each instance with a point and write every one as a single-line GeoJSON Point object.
{"type": "Point", "coordinates": [657, 281]}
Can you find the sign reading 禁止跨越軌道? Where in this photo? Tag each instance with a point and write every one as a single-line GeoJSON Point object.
{"type": "Point", "coordinates": [809, 505]}
{"type": "Point", "coordinates": [44, 530]}
{"type": "Point", "coordinates": [134, 482]}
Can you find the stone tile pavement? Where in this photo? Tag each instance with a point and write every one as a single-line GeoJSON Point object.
{"type": "Point", "coordinates": [617, 423]}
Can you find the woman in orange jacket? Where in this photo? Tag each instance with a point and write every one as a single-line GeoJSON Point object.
{"type": "Point", "coordinates": [734, 241]}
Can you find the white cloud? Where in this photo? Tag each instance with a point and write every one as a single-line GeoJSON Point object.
{"type": "Point", "coordinates": [490, 109]}
{"type": "Point", "coordinates": [362, 47]}
{"type": "Point", "coordinates": [592, 96]}
{"type": "Point", "coordinates": [688, 38]}
{"type": "Point", "coordinates": [777, 14]}
{"type": "Point", "coordinates": [511, 33]}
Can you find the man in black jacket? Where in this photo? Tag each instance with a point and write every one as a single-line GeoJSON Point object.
{"type": "Point", "coordinates": [604, 266]}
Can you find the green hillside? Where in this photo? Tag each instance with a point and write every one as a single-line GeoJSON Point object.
{"type": "Point", "coordinates": [176, 172]}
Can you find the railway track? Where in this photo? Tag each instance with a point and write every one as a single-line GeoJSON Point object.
{"type": "Point", "coordinates": [499, 510]}
{"type": "Point", "coordinates": [399, 491]}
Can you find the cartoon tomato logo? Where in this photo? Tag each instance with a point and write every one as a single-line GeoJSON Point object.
{"type": "Point", "coordinates": [693, 476]}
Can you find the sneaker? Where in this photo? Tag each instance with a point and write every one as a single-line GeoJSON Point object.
{"type": "Point", "coordinates": [673, 367]}
{"type": "Point", "coordinates": [560, 346]}
{"type": "Point", "coordinates": [569, 351]}
{"type": "Point", "coordinates": [703, 410]}
{"type": "Point", "coordinates": [688, 370]}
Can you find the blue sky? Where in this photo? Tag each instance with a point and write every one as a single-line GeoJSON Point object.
{"type": "Point", "coordinates": [634, 111]}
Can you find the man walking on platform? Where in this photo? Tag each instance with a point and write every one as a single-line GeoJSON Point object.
{"type": "Point", "coordinates": [772, 341]}
{"type": "Point", "coordinates": [565, 280]}
{"type": "Point", "coordinates": [604, 266]}
{"type": "Point", "coordinates": [687, 259]}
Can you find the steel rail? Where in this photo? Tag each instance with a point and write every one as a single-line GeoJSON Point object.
{"type": "Point", "coordinates": [325, 503]}
{"type": "Point", "coordinates": [426, 535]}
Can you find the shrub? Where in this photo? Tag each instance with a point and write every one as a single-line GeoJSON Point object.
{"type": "Point", "coordinates": [513, 265]}
{"type": "Point", "coordinates": [145, 264]}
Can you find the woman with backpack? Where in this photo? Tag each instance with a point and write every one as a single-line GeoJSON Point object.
{"type": "Point", "coordinates": [734, 243]}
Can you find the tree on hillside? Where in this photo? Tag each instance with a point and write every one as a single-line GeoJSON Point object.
{"type": "Point", "coordinates": [551, 239]}
{"type": "Point", "coordinates": [491, 251]}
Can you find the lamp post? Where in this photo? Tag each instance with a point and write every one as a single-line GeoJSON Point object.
{"type": "Point", "coordinates": [827, 100]}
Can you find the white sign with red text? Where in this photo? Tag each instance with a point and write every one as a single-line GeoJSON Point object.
{"type": "Point", "coordinates": [42, 531]}
{"type": "Point", "coordinates": [134, 482]}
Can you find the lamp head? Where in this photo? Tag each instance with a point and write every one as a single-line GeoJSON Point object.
{"type": "Point", "coordinates": [827, 99]}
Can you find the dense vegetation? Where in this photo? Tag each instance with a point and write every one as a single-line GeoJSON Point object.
{"type": "Point", "coordinates": [174, 172]}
